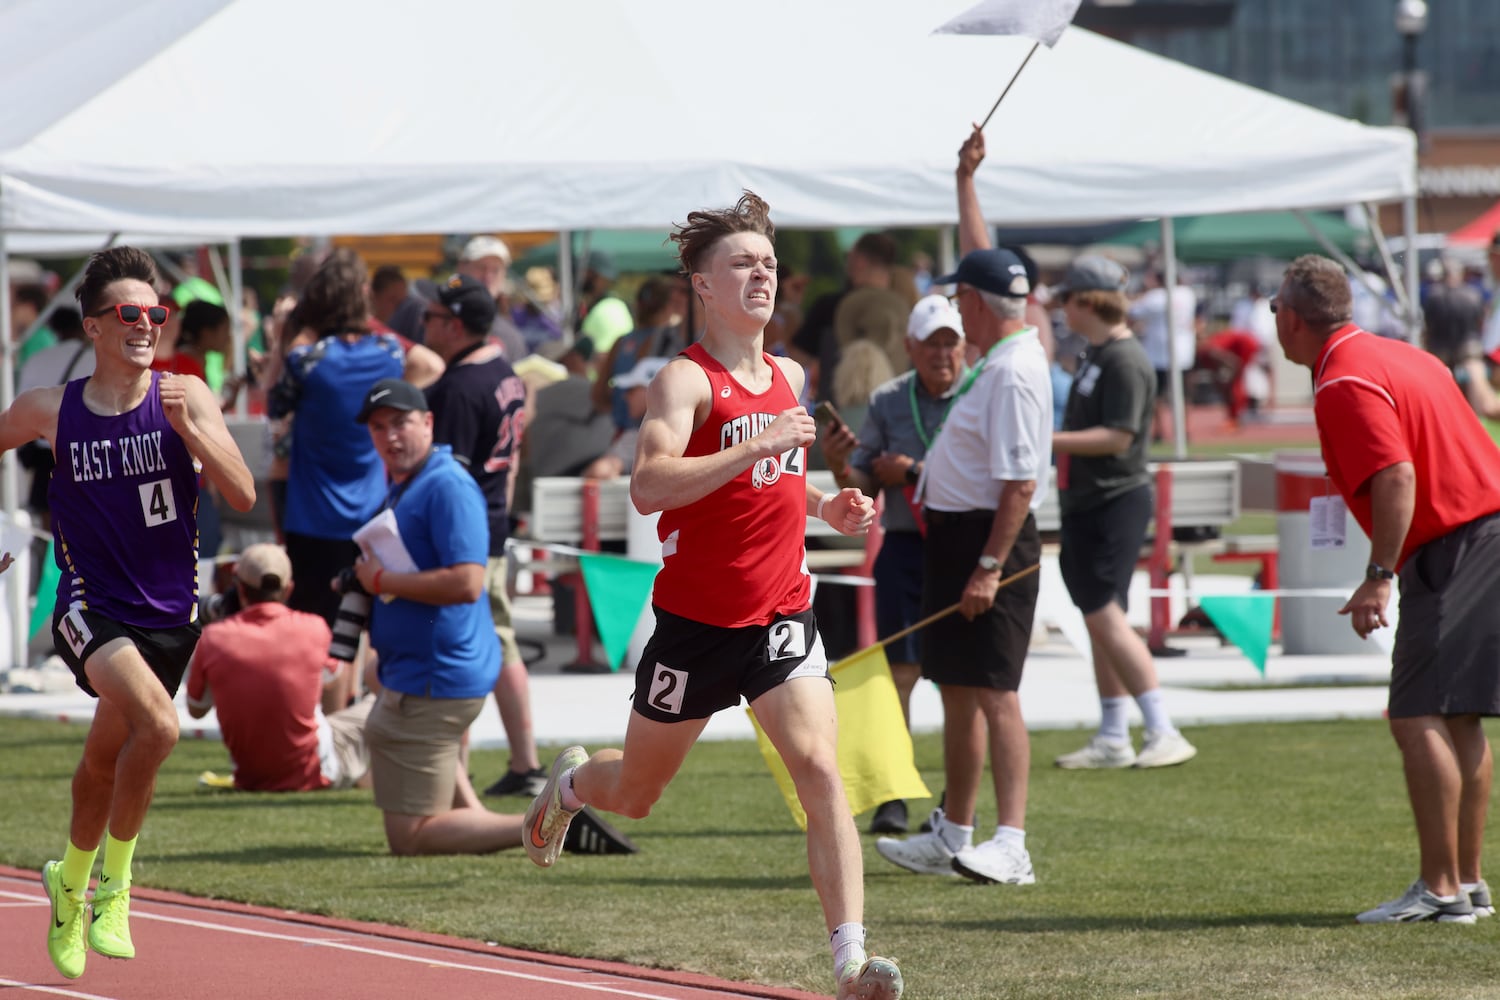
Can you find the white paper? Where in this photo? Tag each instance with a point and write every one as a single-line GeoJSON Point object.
{"type": "Point", "coordinates": [380, 537]}
{"type": "Point", "coordinates": [1329, 520]}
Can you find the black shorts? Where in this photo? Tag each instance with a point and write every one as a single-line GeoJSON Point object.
{"type": "Point", "coordinates": [990, 651]}
{"type": "Point", "coordinates": [898, 593]}
{"type": "Point", "coordinates": [690, 670]}
{"type": "Point", "coordinates": [1100, 547]}
{"type": "Point", "coordinates": [1444, 661]}
{"type": "Point", "coordinates": [77, 634]}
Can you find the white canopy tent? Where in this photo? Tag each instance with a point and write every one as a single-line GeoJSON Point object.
{"type": "Point", "coordinates": [463, 115]}
{"type": "Point", "coordinates": [278, 117]}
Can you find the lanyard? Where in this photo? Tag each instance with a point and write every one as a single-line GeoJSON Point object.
{"type": "Point", "coordinates": [968, 384]}
{"type": "Point", "coordinates": [916, 414]}
{"type": "Point", "coordinates": [398, 490]}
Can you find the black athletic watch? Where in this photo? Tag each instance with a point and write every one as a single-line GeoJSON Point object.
{"type": "Point", "coordinates": [913, 473]}
{"type": "Point", "coordinates": [1375, 571]}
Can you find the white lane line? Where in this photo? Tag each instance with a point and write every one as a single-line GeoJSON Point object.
{"type": "Point", "coordinates": [49, 990]}
{"type": "Point", "coordinates": [375, 952]}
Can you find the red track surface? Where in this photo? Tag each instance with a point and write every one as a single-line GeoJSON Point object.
{"type": "Point", "coordinates": [189, 948]}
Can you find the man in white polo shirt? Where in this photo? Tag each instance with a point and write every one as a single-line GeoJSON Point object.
{"type": "Point", "coordinates": [984, 477]}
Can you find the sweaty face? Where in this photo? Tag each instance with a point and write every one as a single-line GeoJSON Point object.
{"type": "Point", "coordinates": [134, 344]}
{"type": "Point", "coordinates": [740, 278]}
{"type": "Point", "coordinates": [402, 438]}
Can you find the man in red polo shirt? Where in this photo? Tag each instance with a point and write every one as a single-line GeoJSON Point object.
{"type": "Point", "coordinates": [1422, 478]}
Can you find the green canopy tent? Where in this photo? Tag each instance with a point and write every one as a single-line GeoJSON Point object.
{"type": "Point", "coordinates": [633, 251]}
{"type": "Point", "coordinates": [1207, 239]}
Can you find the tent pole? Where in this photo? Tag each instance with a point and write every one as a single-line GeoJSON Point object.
{"type": "Point", "coordinates": [1396, 283]}
{"type": "Point", "coordinates": [1337, 253]}
{"type": "Point", "coordinates": [565, 279]}
{"type": "Point", "coordinates": [1413, 289]}
{"type": "Point", "coordinates": [237, 332]}
{"type": "Point", "coordinates": [1174, 373]}
{"type": "Point", "coordinates": [17, 587]}
{"type": "Point", "coordinates": [947, 254]}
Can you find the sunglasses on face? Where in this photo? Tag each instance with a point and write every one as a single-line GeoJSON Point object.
{"type": "Point", "coordinates": [130, 314]}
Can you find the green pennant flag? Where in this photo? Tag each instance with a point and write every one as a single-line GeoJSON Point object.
{"type": "Point", "coordinates": [1245, 620]}
{"type": "Point", "coordinates": [618, 589]}
{"type": "Point", "coordinates": [46, 594]}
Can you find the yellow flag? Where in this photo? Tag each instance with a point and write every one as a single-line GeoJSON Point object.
{"type": "Point", "coordinates": [875, 755]}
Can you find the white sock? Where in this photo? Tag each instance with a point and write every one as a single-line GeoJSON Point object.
{"type": "Point", "coordinates": [848, 943]}
{"type": "Point", "coordinates": [1155, 713]}
{"type": "Point", "coordinates": [1011, 835]}
{"type": "Point", "coordinates": [956, 837]}
{"type": "Point", "coordinates": [1113, 722]}
{"type": "Point", "coordinates": [1468, 886]}
{"type": "Point", "coordinates": [570, 800]}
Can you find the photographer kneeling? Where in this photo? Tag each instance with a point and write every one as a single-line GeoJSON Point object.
{"type": "Point", "coordinates": [438, 653]}
{"type": "Point", "coordinates": [264, 668]}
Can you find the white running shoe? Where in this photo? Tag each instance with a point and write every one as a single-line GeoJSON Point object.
{"type": "Point", "coordinates": [995, 860]}
{"type": "Point", "coordinates": [1098, 754]}
{"type": "Point", "coordinates": [923, 853]}
{"type": "Point", "coordinates": [1419, 904]}
{"type": "Point", "coordinates": [1479, 897]}
{"type": "Point", "coordinates": [1164, 749]}
{"type": "Point", "coordinates": [875, 978]}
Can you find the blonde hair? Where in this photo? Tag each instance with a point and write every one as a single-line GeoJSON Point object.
{"type": "Point", "coordinates": [862, 367]}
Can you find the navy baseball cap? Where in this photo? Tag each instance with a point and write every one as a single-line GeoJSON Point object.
{"type": "Point", "coordinates": [998, 271]}
{"type": "Point", "coordinates": [468, 299]}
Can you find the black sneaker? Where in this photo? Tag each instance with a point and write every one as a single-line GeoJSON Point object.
{"type": "Point", "coordinates": [890, 817]}
{"type": "Point", "coordinates": [528, 784]}
{"type": "Point", "coordinates": [589, 834]}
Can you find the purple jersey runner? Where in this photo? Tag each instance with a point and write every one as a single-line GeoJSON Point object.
{"type": "Point", "coordinates": [124, 502]}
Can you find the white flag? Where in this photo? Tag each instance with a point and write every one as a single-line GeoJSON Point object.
{"type": "Point", "coordinates": [1042, 20]}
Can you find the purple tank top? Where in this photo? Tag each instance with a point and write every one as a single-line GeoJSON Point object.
{"type": "Point", "coordinates": [124, 502]}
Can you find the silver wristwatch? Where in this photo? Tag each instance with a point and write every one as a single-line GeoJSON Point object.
{"type": "Point", "coordinates": [989, 564]}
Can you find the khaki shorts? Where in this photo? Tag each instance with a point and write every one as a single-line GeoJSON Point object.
{"type": "Point", "coordinates": [414, 743]}
{"type": "Point", "coordinates": [342, 751]}
{"type": "Point", "coordinates": [495, 581]}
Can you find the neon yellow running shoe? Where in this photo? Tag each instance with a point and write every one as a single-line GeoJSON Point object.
{"type": "Point", "coordinates": [109, 931]}
{"type": "Point", "coordinates": [873, 979]}
{"type": "Point", "coordinates": [65, 932]}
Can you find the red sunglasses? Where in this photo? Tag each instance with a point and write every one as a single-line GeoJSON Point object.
{"type": "Point", "coordinates": [130, 313]}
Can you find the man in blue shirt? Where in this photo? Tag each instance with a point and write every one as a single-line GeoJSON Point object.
{"type": "Point", "coordinates": [431, 626]}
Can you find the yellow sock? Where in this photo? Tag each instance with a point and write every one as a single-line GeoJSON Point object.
{"type": "Point", "coordinates": [77, 866]}
{"type": "Point", "coordinates": [117, 856]}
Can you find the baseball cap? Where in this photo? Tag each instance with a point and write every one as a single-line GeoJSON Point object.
{"type": "Point", "coordinates": [481, 247]}
{"type": "Point", "coordinates": [264, 567]}
{"type": "Point", "coordinates": [468, 299]}
{"type": "Point", "coordinates": [1091, 273]}
{"type": "Point", "coordinates": [641, 375]}
{"type": "Point", "coordinates": [932, 314]}
{"type": "Point", "coordinates": [997, 270]}
{"type": "Point", "coordinates": [396, 393]}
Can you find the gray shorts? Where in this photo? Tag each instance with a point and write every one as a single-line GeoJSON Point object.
{"type": "Point", "coordinates": [1447, 655]}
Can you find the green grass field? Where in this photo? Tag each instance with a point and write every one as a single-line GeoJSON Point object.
{"type": "Point", "coordinates": [1236, 876]}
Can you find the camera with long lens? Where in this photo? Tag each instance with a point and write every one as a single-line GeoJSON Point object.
{"type": "Point", "coordinates": [353, 615]}
{"type": "Point", "coordinates": [219, 606]}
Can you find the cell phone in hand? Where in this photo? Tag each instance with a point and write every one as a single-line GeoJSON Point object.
{"type": "Point", "coordinates": [827, 414]}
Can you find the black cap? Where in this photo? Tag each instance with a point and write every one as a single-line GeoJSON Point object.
{"type": "Point", "coordinates": [395, 393]}
{"type": "Point", "coordinates": [467, 298]}
{"type": "Point", "coordinates": [998, 271]}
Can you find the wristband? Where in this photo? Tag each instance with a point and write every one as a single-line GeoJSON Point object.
{"type": "Point", "coordinates": [375, 583]}
{"type": "Point", "coordinates": [822, 502]}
